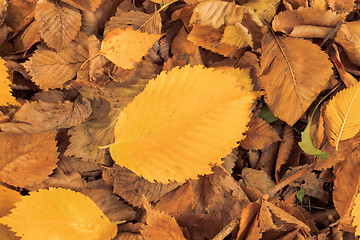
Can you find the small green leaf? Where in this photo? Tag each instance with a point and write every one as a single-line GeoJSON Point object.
{"type": "Point", "coordinates": [267, 115]}
{"type": "Point", "coordinates": [307, 145]}
{"type": "Point", "coordinates": [300, 195]}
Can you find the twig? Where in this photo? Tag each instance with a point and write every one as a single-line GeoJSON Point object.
{"type": "Point", "coordinates": [227, 230]}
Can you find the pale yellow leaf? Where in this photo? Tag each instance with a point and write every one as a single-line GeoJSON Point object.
{"type": "Point", "coordinates": [342, 115]}
{"type": "Point", "coordinates": [125, 47]}
{"type": "Point", "coordinates": [59, 214]}
{"type": "Point", "coordinates": [237, 35]}
{"type": "Point", "coordinates": [266, 10]}
{"type": "Point", "coordinates": [59, 23]}
{"type": "Point", "coordinates": [183, 122]}
{"type": "Point", "coordinates": [5, 90]}
{"type": "Point", "coordinates": [292, 72]}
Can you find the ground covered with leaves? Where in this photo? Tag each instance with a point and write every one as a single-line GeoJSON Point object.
{"type": "Point", "coordinates": [194, 119]}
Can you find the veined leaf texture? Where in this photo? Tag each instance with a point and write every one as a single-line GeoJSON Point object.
{"type": "Point", "coordinates": [183, 122]}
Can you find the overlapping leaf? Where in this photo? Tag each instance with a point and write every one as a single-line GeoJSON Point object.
{"type": "Point", "coordinates": [292, 71]}
{"type": "Point", "coordinates": [264, 9]}
{"type": "Point", "coordinates": [356, 214]}
{"type": "Point", "coordinates": [8, 198]}
{"type": "Point", "coordinates": [342, 115]}
{"type": "Point", "coordinates": [125, 47]}
{"type": "Point", "coordinates": [156, 118]}
{"type": "Point", "coordinates": [59, 23]}
{"type": "Point", "coordinates": [90, 5]}
{"type": "Point", "coordinates": [48, 214]}
{"type": "Point", "coordinates": [5, 91]}
{"type": "Point", "coordinates": [348, 36]}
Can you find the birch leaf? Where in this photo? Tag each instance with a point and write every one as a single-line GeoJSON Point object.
{"type": "Point", "coordinates": [292, 72]}
{"type": "Point", "coordinates": [265, 10]}
{"type": "Point", "coordinates": [194, 133]}
{"type": "Point", "coordinates": [125, 47]}
{"type": "Point", "coordinates": [48, 214]}
{"type": "Point", "coordinates": [59, 23]}
{"type": "Point", "coordinates": [5, 90]}
{"type": "Point", "coordinates": [342, 115]}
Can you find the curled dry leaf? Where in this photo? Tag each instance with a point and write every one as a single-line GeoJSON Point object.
{"type": "Point", "coordinates": [307, 22]}
{"type": "Point", "coordinates": [342, 115]}
{"type": "Point", "coordinates": [59, 23]}
{"type": "Point", "coordinates": [39, 116]}
{"type": "Point", "coordinates": [208, 95]}
{"type": "Point", "coordinates": [348, 36]}
{"type": "Point", "coordinates": [51, 69]}
{"type": "Point", "coordinates": [160, 225]}
{"type": "Point", "coordinates": [131, 187]}
{"type": "Point", "coordinates": [5, 90]}
{"type": "Point", "coordinates": [47, 214]}
{"type": "Point", "coordinates": [150, 23]}
{"type": "Point", "coordinates": [125, 47]}
{"type": "Point", "coordinates": [27, 159]}
{"type": "Point", "coordinates": [292, 72]}
{"type": "Point", "coordinates": [259, 135]}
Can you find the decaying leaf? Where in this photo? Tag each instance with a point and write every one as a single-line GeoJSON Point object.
{"type": "Point", "coordinates": [259, 135]}
{"type": "Point", "coordinates": [125, 47]}
{"type": "Point", "coordinates": [290, 74]}
{"type": "Point", "coordinates": [342, 115]}
{"type": "Point", "coordinates": [307, 22]}
{"type": "Point", "coordinates": [348, 36]}
{"type": "Point", "coordinates": [39, 116]}
{"type": "Point", "coordinates": [51, 69]}
{"type": "Point", "coordinates": [59, 23]}
{"type": "Point", "coordinates": [47, 214]}
{"type": "Point", "coordinates": [160, 225]}
{"type": "Point", "coordinates": [27, 159]}
{"type": "Point", "coordinates": [207, 95]}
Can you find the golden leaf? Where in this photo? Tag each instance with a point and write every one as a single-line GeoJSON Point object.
{"type": "Point", "coordinates": [265, 10]}
{"type": "Point", "coordinates": [8, 198]}
{"type": "Point", "coordinates": [348, 37]}
{"type": "Point", "coordinates": [292, 72]}
{"type": "Point", "coordinates": [59, 213]}
{"type": "Point", "coordinates": [125, 47]}
{"type": "Point", "coordinates": [237, 35]}
{"type": "Point", "coordinates": [342, 115]}
{"type": "Point", "coordinates": [51, 69]}
{"type": "Point", "coordinates": [5, 91]}
{"type": "Point", "coordinates": [194, 133]}
{"type": "Point", "coordinates": [59, 23]}
{"type": "Point", "coordinates": [356, 214]}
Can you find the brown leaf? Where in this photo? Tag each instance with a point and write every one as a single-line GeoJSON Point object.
{"type": "Point", "coordinates": [70, 164]}
{"type": "Point", "coordinates": [257, 179]}
{"type": "Point", "coordinates": [27, 38]}
{"type": "Point", "coordinates": [39, 116]}
{"type": "Point", "coordinates": [150, 23]}
{"type": "Point", "coordinates": [114, 208]}
{"type": "Point", "coordinates": [27, 159]}
{"type": "Point", "coordinates": [346, 186]}
{"type": "Point", "coordinates": [160, 226]}
{"type": "Point", "coordinates": [129, 236]}
{"type": "Point", "coordinates": [51, 69]}
{"type": "Point", "coordinates": [249, 223]}
{"type": "Point", "coordinates": [84, 4]}
{"type": "Point", "coordinates": [18, 12]}
{"type": "Point", "coordinates": [131, 187]}
{"type": "Point", "coordinates": [259, 135]}
{"type": "Point", "coordinates": [306, 22]}
{"type": "Point", "coordinates": [347, 36]}
{"type": "Point", "coordinates": [341, 6]}
{"type": "Point", "coordinates": [284, 150]}
{"type": "Point", "coordinates": [291, 78]}
{"type": "Point", "coordinates": [59, 23]}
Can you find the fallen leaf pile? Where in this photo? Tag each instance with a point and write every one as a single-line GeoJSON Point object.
{"type": "Point", "coordinates": [186, 120]}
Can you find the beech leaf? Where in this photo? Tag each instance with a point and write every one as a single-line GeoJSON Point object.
{"type": "Point", "coordinates": [202, 128]}
{"type": "Point", "coordinates": [342, 115]}
{"type": "Point", "coordinates": [59, 23]}
{"type": "Point", "coordinates": [292, 72]}
{"type": "Point", "coordinates": [5, 90]}
{"type": "Point", "coordinates": [48, 214]}
{"type": "Point", "coordinates": [125, 47]}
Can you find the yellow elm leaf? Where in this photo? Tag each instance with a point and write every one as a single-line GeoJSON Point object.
{"type": "Point", "coordinates": [356, 214]}
{"type": "Point", "coordinates": [342, 115]}
{"type": "Point", "coordinates": [237, 35]}
{"type": "Point", "coordinates": [125, 47]}
{"type": "Point", "coordinates": [265, 10]}
{"type": "Point", "coordinates": [183, 122]}
{"type": "Point", "coordinates": [5, 91]}
{"type": "Point", "coordinates": [59, 213]}
{"type": "Point", "coordinates": [8, 198]}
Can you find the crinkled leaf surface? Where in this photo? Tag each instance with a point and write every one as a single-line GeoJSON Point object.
{"type": "Point", "coordinates": [59, 213]}
{"type": "Point", "coordinates": [125, 47]}
{"type": "Point", "coordinates": [5, 91]}
{"type": "Point", "coordinates": [183, 122]}
{"type": "Point", "coordinates": [342, 115]}
{"type": "Point", "coordinates": [292, 72]}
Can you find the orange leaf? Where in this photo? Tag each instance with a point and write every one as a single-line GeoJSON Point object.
{"type": "Point", "coordinates": [5, 91]}
{"type": "Point", "coordinates": [125, 47]}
